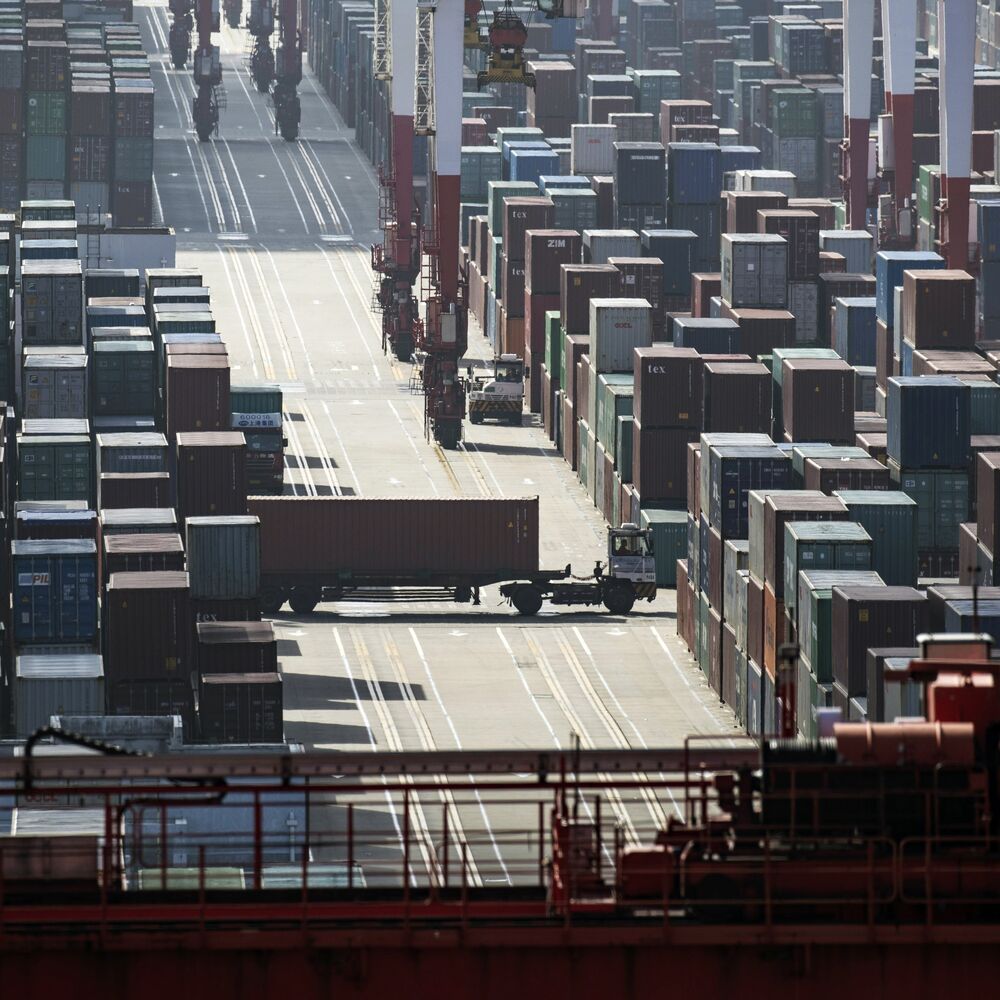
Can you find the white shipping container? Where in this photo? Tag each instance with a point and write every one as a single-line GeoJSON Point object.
{"type": "Point", "coordinates": [854, 245]}
{"type": "Point", "coordinates": [754, 270]}
{"type": "Point", "coordinates": [765, 180]}
{"type": "Point", "coordinates": [592, 149]}
{"type": "Point", "coordinates": [601, 244]}
{"type": "Point", "coordinates": [47, 684]}
{"type": "Point", "coordinates": [617, 328]}
{"type": "Point", "coordinates": [55, 386]}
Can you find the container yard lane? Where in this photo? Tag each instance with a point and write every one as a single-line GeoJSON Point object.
{"type": "Point", "coordinates": [280, 233]}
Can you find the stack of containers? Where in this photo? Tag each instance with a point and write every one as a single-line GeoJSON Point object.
{"type": "Point", "coordinates": [11, 116]}
{"type": "Point", "coordinates": [47, 80]}
{"type": "Point", "coordinates": [640, 185]}
{"type": "Point", "coordinates": [694, 177]}
{"type": "Point", "coordinates": [132, 183]}
{"type": "Point", "coordinates": [794, 132]}
{"type": "Point", "coordinates": [989, 269]}
{"type": "Point", "coordinates": [90, 144]}
{"type": "Point", "coordinates": [521, 215]}
{"type": "Point", "coordinates": [928, 446]}
{"type": "Point", "coordinates": [552, 101]}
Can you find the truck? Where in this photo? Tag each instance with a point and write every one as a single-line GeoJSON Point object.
{"type": "Point", "coordinates": [256, 411]}
{"type": "Point", "coordinates": [316, 549]}
{"type": "Point", "coordinates": [497, 393]}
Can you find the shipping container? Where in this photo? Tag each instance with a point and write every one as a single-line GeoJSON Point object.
{"type": "Point", "coordinates": [147, 631]}
{"type": "Point", "coordinates": [929, 424]}
{"type": "Point", "coordinates": [659, 461]}
{"type": "Point", "coordinates": [754, 270]}
{"type": "Point", "coordinates": [54, 467]}
{"type": "Point", "coordinates": [211, 474]}
{"type": "Point", "coordinates": [197, 394]}
{"type": "Point", "coordinates": [124, 378]}
{"type": "Point", "coordinates": [54, 385]}
{"type": "Point", "coordinates": [617, 327]}
{"type": "Point", "coordinates": [817, 397]}
{"type": "Point", "coordinates": [889, 268]}
{"type": "Point", "coordinates": [668, 386]}
{"type": "Point", "coordinates": [142, 553]}
{"type": "Point", "coordinates": [241, 708]}
{"type": "Point", "coordinates": [52, 302]}
{"type": "Point", "coordinates": [55, 683]}
{"type": "Point", "coordinates": [135, 489]}
{"type": "Point", "coordinates": [736, 398]}
{"type": "Point", "coordinates": [237, 648]}
{"type": "Point", "coordinates": [732, 472]}
{"type": "Point", "coordinates": [223, 557]}
{"type": "Point", "coordinates": [890, 518]}
{"type": "Point", "coordinates": [822, 545]}
{"type": "Point", "coordinates": [54, 590]}
{"type": "Point", "coordinates": [133, 520]}
{"type": "Point", "coordinates": [939, 309]}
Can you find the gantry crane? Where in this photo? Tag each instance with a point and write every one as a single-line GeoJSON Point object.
{"type": "Point", "coordinates": [288, 72]}
{"type": "Point", "coordinates": [180, 32]}
{"type": "Point", "coordinates": [260, 24]}
{"type": "Point", "coordinates": [234, 11]}
{"type": "Point", "coordinates": [207, 70]}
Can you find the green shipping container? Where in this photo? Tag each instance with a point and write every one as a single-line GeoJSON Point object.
{"type": "Point", "coordinates": [984, 407]}
{"type": "Point", "coordinates": [124, 378]}
{"type": "Point", "coordinates": [54, 467]}
{"type": "Point", "coordinates": [498, 190]}
{"type": "Point", "coordinates": [45, 113]}
{"type": "Point", "coordinates": [814, 607]}
{"type": "Point", "coordinates": [669, 529]}
{"type": "Point", "coordinates": [584, 459]}
{"type": "Point", "coordinates": [926, 187]}
{"type": "Point", "coordinates": [942, 498]}
{"type": "Point", "coordinates": [623, 447]}
{"type": "Point", "coordinates": [794, 112]}
{"type": "Point", "coordinates": [890, 517]}
{"type": "Point", "coordinates": [256, 399]}
{"type": "Point", "coordinates": [553, 346]}
{"type": "Point", "coordinates": [45, 158]}
{"type": "Point", "coordinates": [817, 545]}
{"type": "Point", "coordinates": [614, 400]}
{"type": "Point", "coordinates": [133, 159]}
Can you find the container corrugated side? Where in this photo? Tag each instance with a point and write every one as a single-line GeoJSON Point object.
{"type": "Point", "coordinates": [223, 555]}
{"type": "Point", "coordinates": [70, 683]}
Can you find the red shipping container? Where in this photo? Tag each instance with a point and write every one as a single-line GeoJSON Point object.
{"type": "Point", "coordinates": [667, 386]}
{"type": "Point", "coordinates": [939, 309]}
{"type": "Point", "coordinates": [642, 278]}
{"type": "Point", "coordinates": [696, 133]}
{"type": "Point", "coordinates": [988, 499]}
{"type": "Point", "coordinates": [694, 479]}
{"type": "Point", "coordinates": [546, 250]}
{"type": "Point", "coordinates": [604, 188]}
{"type": "Point", "coordinates": [495, 116]}
{"type": "Point", "coordinates": [511, 333]}
{"type": "Point", "coordinates": [211, 474]}
{"type": "Point", "coordinates": [474, 132]}
{"type": "Point", "coordinates": [225, 609]}
{"type": "Point", "coordinates": [90, 109]}
{"type": "Point", "coordinates": [120, 490]}
{"type": "Point", "coordinates": [197, 390]}
{"type": "Point", "coordinates": [132, 203]}
{"type": "Point", "coordinates": [682, 113]}
{"type": "Point", "coordinates": [824, 208]}
{"type": "Point", "coordinates": [833, 474]}
{"type": "Point", "coordinates": [578, 284]}
{"type": "Point", "coordinates": [736, 397]}
{"type": "Point", "coordinates": [236, 648]}
{"type": "Point", "coordinates": [742, 208]}
{"type": "Point", "coordinates": [704, 287]}
{"type": "Point", "coordinates": [659, 461]}
{"type": "Point", "coordinates": [144, 553]}
{"type": "Point", "coordinates": [535, 308]}
{"type": "Point", "coordinates": [512, 286]}
{"type": "Point", "coordinates": [397, 537]}
{"type": "Point", "coordinates": [817, 397]}
{"type": "Point", "coordinates": [762, 330]}
{"type": "Point", "coordinates": [599, 108]}
{"type": "Point", "coordinates": [147, 627]}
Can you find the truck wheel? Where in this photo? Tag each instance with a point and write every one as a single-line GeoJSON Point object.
{"type": "Point", "coordinates": [514, 420]}
{"type": "Point", "coordinates": [619, 597]}
{"type": "Point", "coordinates": [271, 600]}
{"type": "Point", "coordinates": [475, 418]}
{"type": "Point", "coordinates": [304, 600]}
{"type": "Point", "coordinates": [527, 600]}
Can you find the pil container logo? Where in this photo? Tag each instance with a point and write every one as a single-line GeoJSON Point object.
{"type": "Point", "coordinates": [33, 579]}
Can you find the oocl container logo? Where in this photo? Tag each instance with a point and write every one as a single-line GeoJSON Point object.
{"type": "Point", "coordinates": [32, 579]}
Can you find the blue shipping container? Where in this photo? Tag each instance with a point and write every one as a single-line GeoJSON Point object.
{"type": "Point", "coordinates": [55, 590]}
{"type": "Point", "coordinates": [928, 422]}
{"type": "Point", "coordinates": [734, 472]}
{"type": "Point", "coordinates": [706, 335]}
{"type": "Point", "coordinates": [989, 288]}
{"type": "Point", "coordinates": [547, 181]}
{"type": "Point", "coordinates": [854, 330]}
{"type": "Point", "coordinates": [740, 158]}
{"type": "Point", "coordinates": [704, 221]}
{"type": "Point", "coordinates": [989, 230]}
{"type": "Point", "coordinates": [694, 170]}
{"type": "Point", "coordinates": [961, 616]}
{"type": "Point", "coordinates": [675, 247]}
{"type": "Point", "coordinates": [889, 268]}
{"type": "Point", "coordinates": [530, 164]}
{"type": "Point", "coordinates": [890, 518]}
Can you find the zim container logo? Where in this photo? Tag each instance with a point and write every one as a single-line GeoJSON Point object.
{"type": "Point", "coordinates": [32, 579]}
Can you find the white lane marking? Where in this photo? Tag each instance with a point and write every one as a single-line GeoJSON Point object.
{"type": "Point", "coordinates": [291, 315]}
{"type": "Point", "coordinates": [291, 190]}
{"type": "Point", "coordinates": [486, 464]}
{"type": "Point", "coordinates": [300, 456]}
{"type": "Point", "coordinates": [225, 181]}
{"type": "Point", "coordinates": [320, 187]}
{"type": "Point", "coordinates": [306, 191]}
{"type": "Point", "coordinates": [368, 728]}
{"type": "Point", "coordinates": [239, 312]}
{"type": "Point", "coordinates": [413, 445]}
{"type": "Point", "coordinates": [324, 458]}
{"type": "Point", "coordinates": [212, 193]}
{"type": "Point", "coordinates": [343, 448]}
{"type": "Point", "coordinates": [354, 319]}
{"type": "Point", "coordinates": [458, 743]}
{"type": "Point", "coordinates": [333, 190]}
{"type": "Point", "coordinates": [520, 676]}
{"type": "Point", "coordinates": [157, 202]}
{"type": "Point", "coordinates": [239, 180]}
{"type": "Point", "coordinates": [271, 308]}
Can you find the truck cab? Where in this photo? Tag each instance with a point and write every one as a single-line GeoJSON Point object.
{"type": "Point", "coordinates": [257, 412]}
{"type": "Point", "coordinates": [498, 393]}
{"type": "Point", "coordinates": [630, 554]}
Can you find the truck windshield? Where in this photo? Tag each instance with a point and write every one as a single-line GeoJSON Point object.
{"type": "Point", "coordinates": [507, 372]}
{"type": "Point", "coordinates": [629, 545]}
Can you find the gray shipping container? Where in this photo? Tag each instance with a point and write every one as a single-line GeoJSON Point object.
{"type": "Point", "coordinates": [52, 302]}
{"type": "Point", "coordinates": [223, 557]}
{"type": "Point", "coordinates": [54, 467]}
{"type": "Point", "coordinates": [143, 452]}
{"type": "Point", "coordinates": [47, 684]}
{"type": "Point", "coordinates": [139, 521]}
{"type": "Point", "coordinates": [133, 159]}
{"type": "Point", "coordinates": [55, 386]}
{"type": "Point", "coordinates": [36, 428]}
{"type": "Point", "coordinates": [601, 244]}
{"type": "Point", "coordinates": [754, 270]}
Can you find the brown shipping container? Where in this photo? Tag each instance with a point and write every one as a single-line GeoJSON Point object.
{"type": "Point", "coordinates": [659, 461]}
{"type": "Point", "coordinates": [230, 609]}
{"type": "Point", "coordinates": [782, 506]}
{"type": "Point", "coordinates": [396, 537]}
{"type": "Point", "coordinates": [755, 621]}
{"type": "Point", "coordinates": [117, 490]}
{"type": "Point", "coordinates": [145, 553]}
{"type": "Point", "coordinates": [682, 113]}
{"type": "Point", "coordinates": [604, 188]}
{"type": "Point", "coordinates": [824, 208]}
{"type": "Point", "coordinates": [147, 627]}
{"type": "Point", "coordinates": [211, 474]}
{"type": "Point", "coordinates": [951, 363]}
{"type": "Point", "coordinates": [817, 397]}
{"type": "Point", "coordinates": [866, 618]}
{"type": "Point", "coordinates": [667, 386]}
{"type": "Point", "coordinates": [831, 262]}
{"type": "Point", "coordinates": [157, 697]}
{"type": "Point", "coordinates": [520, 216]}
{"type": "Point", "coordinates": [237, 648]}
{"type": "Point", "coordinates": [512, 287]}
{"type": "Point", "coordinates": [762, 330]}
{"type": "Point", "coordinates": [736, 398]}
{"type": "Point", "coordinates": [988, 499]}
{"type": "Point", "coordinates": [578, 284]}
{"type": "Point", "coordinates": [683, 604]}
{"type": "Point", "coordinates": [216, 349]}
{"type": "Point", "coordinates": [642, 278]}
{"type": "Point", "coordinates": [883, 354]}
{"type": "Point", "coordinates": [570, 437]}
{"type": "Point", "coordinates": [90, 109]}
{"type": "Point", "coordinates": [800, 228]}
{"type": "Point", "coordinates": [831, 474]}
{"type": "Point", "coordinates": [939, 309]}
{"type": "Point", "coordinates": [876, 444]}
{"type": "Point", "coordinates": [775, 630]}
{"type": "Point", "coordinates": [546, 250]}
{"type": "Point", "coordinates": [705, 286]}
{"type": "Point", "coordinates": [197, 394]}
{"type": "Point", "coordinates": [575, 346]}
{"type": "Point", "coordinates": [716, 577]}
{"type": "Point", "coordinates": [968, 554]}
{"type": "Point", "coordinates": [742, 208]}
